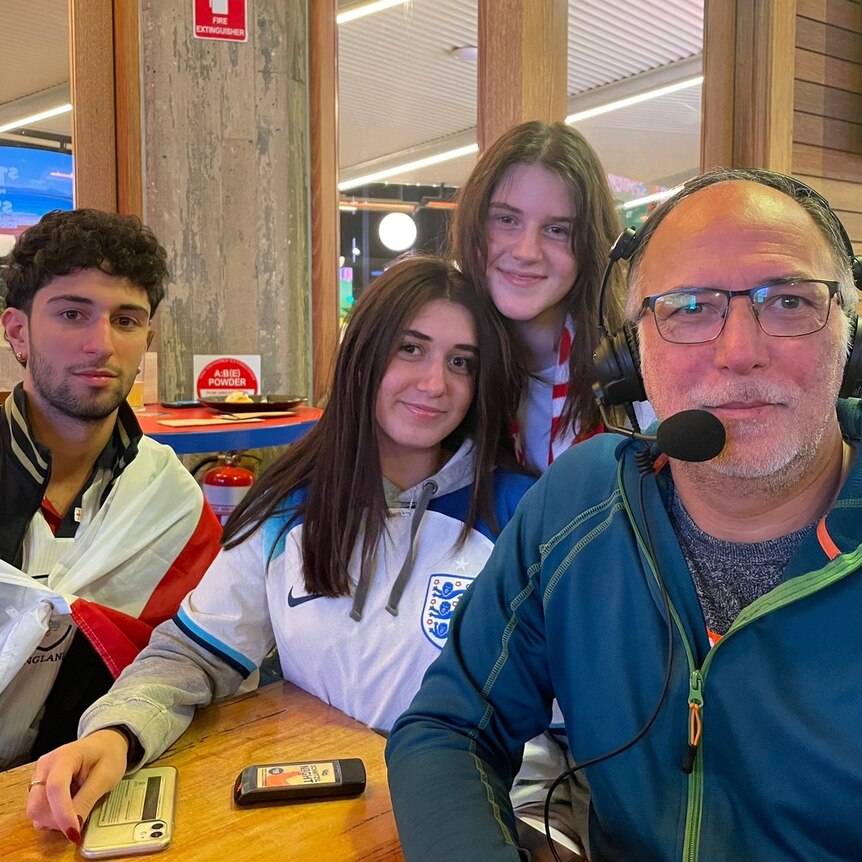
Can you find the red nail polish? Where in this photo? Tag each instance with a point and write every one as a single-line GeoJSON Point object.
{"type": "Point", "coordinates": [74, 836]}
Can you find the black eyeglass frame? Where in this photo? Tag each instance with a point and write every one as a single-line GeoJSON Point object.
{"type": "Point", "coordinates": [834, 289]}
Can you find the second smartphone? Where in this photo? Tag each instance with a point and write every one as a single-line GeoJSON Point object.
{"type": "Point", "coordinates": [299, 780]}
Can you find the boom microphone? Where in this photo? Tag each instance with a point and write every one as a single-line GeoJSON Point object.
{"type": "Point", "coordinates": [691, 435]}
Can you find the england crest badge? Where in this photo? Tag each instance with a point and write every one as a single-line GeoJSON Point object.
{"type": "Point", "coordinates": [441, 598]}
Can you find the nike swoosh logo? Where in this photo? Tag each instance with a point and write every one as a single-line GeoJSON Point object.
{"type": "Point", "coordinates": [293, 601]}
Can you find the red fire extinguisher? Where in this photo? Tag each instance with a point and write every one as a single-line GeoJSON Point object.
{"type": "Point", "coordinates": [226, 484]}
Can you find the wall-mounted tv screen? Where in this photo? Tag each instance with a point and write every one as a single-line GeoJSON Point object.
{"type": "Point", "coordinates": [32, 182]}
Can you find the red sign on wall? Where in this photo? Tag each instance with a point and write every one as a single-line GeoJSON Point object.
{"type": "Point", "coordinates": [226, 374]}
{"type": "Point", "coordinates": [221, 19]}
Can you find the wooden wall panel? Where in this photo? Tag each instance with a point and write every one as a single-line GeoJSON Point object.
{"type": "Point", "coordinates": [827, 132]}
{"type": "Point", "coordinates": [827, 101]}
{"type": "Point", "coordinates": [853, 225]}
{"type": "Point", "coordinates": [821, 69]}
{"type": "Point", "coordinates": [841, 194]}
{"type": "Point", "coordinates": [828, 39]}
{"type": "Point", "coordinates": [827, 128]}
{"type": "Point", "coordinates": [839, 13]}
{"type": "Point", "coordinates": [227, 168]}
{"type": "Point", "coordinates": [829, 164]}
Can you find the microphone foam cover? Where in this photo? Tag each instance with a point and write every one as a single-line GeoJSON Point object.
{"type": "Point", "coordinates": [692, 435]}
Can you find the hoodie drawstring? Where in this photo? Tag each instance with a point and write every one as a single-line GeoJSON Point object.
{"type": "Point", "coordinates": [429, 489]}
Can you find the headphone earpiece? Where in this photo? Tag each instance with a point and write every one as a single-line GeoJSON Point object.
{"type": "Point", "coordinates": [618, 362]}
{"type": "Point", "coordinates": [856, 268]}
{"type": "Point", "coordinates": [617, 356]}
{"type": "Point", "coordinates": [624, 246]}
{"type": "Point", "coordinates": [851, 384]}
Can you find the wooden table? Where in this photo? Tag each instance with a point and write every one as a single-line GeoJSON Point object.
{"type": "Point", "coordinates": [275, 723]}
{"type": "Point", "coordinates": [228, 437]}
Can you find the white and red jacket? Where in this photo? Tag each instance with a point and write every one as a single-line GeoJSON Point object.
{"type": "Point", "coordinates": [145, 538]}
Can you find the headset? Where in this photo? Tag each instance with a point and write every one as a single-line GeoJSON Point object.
{"type": "Point", "coordinates": [617, 358]}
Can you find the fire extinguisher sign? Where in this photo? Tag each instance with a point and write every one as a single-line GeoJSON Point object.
{"type": "Point", "coordinates": [221, 375]}
{"type": "Point", "coordinates": [225, 20]}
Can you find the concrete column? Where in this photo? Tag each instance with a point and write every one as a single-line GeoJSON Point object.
{"type": "Point", "coordinates": [227, 190]}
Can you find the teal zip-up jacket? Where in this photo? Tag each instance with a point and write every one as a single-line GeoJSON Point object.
{"type": "Point", "coordinates": [569, 606]}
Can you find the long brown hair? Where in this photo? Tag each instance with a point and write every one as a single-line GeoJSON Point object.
{"type": "Point", "coordinates": [337, 464]}
{"type": "Point", "coordinates": [563, 151]}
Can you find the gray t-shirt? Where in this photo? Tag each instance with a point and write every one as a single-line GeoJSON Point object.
{"type": "Point", "coordinates": [729, 576]}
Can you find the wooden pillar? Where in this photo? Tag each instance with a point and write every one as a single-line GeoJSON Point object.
{"type": "Point", "coordinates": [748, 84]}
{"type": "Point", "coordinates": [523, 64]}
{"type": "Point", "coordinates": [323, 97]}
{"type": "Point", "coordinates": [91, 52]}
{"type": "Point", "coordinates": [127, 98]}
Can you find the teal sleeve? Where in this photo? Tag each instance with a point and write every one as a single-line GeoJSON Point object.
{"type": "Point", "coordinates": [453, 755]}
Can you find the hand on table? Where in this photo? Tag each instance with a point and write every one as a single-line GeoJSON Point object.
{"type": "Point", "coordinates": [89, 767]}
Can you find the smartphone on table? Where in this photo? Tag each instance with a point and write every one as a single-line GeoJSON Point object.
{"type": "Point", "coordinates": [299, 781]}
{"type": "Point", "coordinates": [135, 818]}
{"type": "Point", "coordinates": [176, 405]}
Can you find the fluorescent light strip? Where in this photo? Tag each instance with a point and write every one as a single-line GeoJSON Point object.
{"type": "Point", "coordinates": [474, 148]}
{"type": "Point", "coordinates": [635, 100]}
{"type": "Point", "coordinates": [409, 166]}
{"type": "Point", "coordinates": [35, 118]}
{"type": "Point", "coordinates": [648, 199]}
{"type": "Point", "coordinates": [360, 11]}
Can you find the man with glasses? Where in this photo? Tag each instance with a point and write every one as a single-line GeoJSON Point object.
{"type": "Point", "coordinates": [698, 623]}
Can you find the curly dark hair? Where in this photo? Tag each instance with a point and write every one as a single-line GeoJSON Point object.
{"type": "Point", "coordinates": [65, 241]}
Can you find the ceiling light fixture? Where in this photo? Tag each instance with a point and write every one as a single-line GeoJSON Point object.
{"type": "Point", "coordinates": [434, 204]}
{"type": "Point", "coordinates": [360, 10]}
{"type": "Point", "coordinates": [377, 205]}
{"type": "Point", "coordinates": [655, 197]}
{"type": "Point", "coordinates": [409, 166]}
{"type": "Point", "coordinates": [468, 53]}
{"type": "Point", "coordinates": [696, 81]}
{"type": "Point", "coordinates": [35, 118]}
{"type": "Point", "coordinates": [397, 231]}
{"type": "Point", "coordinates": [448, 155]}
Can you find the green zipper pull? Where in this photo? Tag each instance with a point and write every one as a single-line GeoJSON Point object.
{"type": "Point", "coordinates": [695, 720]}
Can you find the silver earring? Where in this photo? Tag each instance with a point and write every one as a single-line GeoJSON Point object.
{"type": "Point", "coordinates": [20, 357]}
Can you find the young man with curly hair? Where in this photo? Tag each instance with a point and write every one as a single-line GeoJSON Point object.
{"type": "Point", "coordinates": [102, 530]}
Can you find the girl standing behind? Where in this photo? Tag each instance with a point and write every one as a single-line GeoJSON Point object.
{"type": "Point", "coordinates": [349, 554]}
{"type": "Point", "coordinates": [533, 228]}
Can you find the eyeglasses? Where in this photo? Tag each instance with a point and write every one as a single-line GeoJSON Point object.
{"type": "Point", "coordinates": [784, 308]}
